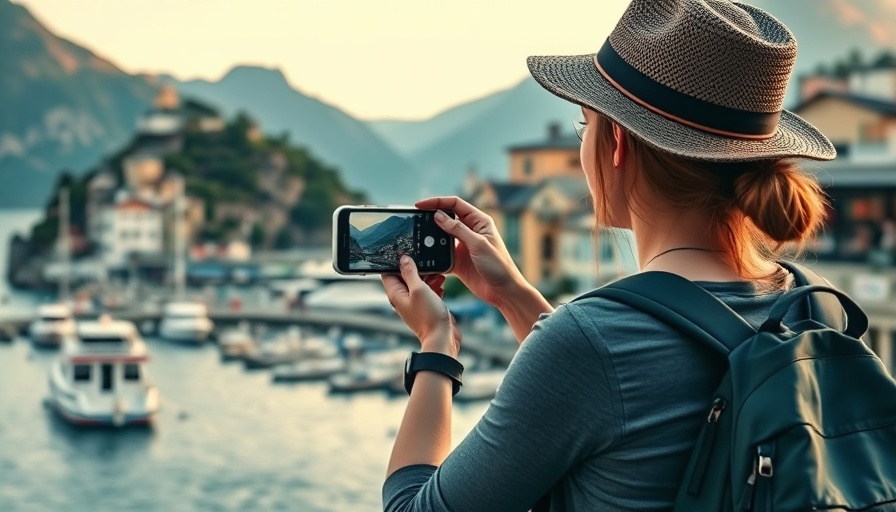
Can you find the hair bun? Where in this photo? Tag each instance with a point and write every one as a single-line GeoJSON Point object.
{"type": "Point", "coordinates": [784, 203]}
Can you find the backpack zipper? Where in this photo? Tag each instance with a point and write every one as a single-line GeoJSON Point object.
{"type": "Point", "coordinates": [763, 468]}
{"type": "Point", "coordinates": [704, 445]}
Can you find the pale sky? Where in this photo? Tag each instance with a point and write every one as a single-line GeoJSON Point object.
{"type": "Point", "coordinates": [397, 59]}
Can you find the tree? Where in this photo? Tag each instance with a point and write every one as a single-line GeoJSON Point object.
{"type": "Point", "coordinates": [257, 236]}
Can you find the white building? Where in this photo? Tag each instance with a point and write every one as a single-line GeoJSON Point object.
{"type": "Point", "coordinates": [593, 259]}
{"type": "Point", "coordinates": [878, 83]}
{"type": "Point", "coordinates": [129, 226]}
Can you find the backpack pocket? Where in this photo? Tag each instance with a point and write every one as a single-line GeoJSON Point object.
{"type": "Point", "coordinates": [803, 470]}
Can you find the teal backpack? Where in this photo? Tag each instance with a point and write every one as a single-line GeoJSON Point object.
{"type": "Point", "coordinates": [804, 418]}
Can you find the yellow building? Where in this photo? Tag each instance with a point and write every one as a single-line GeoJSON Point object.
{"type": "Point", "coordinates": [540, 208]}
{"type": "Point", "coordinates": [857, 251]}
{"type": "Point", "coordinates": [850, 120]}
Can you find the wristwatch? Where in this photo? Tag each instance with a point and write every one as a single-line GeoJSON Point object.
{"type": "Point", "coordinates": [436, 362]}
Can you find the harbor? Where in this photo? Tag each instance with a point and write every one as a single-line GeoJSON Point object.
{"type": "Point", "coordinates": [226, 436]}
{"type": "Point", "coordinates": [224, 439]}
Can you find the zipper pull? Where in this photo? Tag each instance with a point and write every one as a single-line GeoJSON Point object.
{"type": "Point", "coordinates": [746, 499]}
{"type": "Point", "coordinates": [764, 454]}
{"type": "Point", "coordinates": [704, 446]}
{"type": "Point", "coordinates": [718, 405]}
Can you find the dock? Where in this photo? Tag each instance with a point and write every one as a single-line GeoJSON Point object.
{"type": "Point", "coordinates": [498, 351]}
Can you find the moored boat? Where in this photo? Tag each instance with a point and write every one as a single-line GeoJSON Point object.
{"type": "Point", "coordinates": [289, 348]}
{"type": "Point", "coordinates": [186, 322]}
{"type": "Point", "coordinates": [363, 378]}
{"type": "Point", "coordinates": [54, 324]}
{"type": "Point", "coordinates": [100, 377]}
{"type": "Point", "coordinates": [236, 344]}
{"type": "Point", "coordinates": [311, 369]}
{"type": "Point", "coordinates": [375, 370]}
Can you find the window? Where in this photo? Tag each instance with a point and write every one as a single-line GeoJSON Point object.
{"type": "Point", "coordinates": [547, 247]}
{"type": "Point", "coordinates": [82, 372]}
{"type": "Point", "coordinates": [527, 166]}
{"type": "Point", "coordinates": [131, 372]}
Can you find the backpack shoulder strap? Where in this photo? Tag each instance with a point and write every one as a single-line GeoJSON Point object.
{"type": "Point", "coordinates": [681, 304]}
{"type": "Point", "coordinates": [822, 307]}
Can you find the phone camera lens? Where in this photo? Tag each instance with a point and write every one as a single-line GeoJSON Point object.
{"type": "Point", "coordinates": [443, 241]}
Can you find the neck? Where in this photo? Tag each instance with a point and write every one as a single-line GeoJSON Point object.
{"type": "Point", "coordinates": [658, 231]}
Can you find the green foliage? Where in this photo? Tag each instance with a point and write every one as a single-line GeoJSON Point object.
{"type": "Point", "coordinates": [855, 61]}
{"type": "Point", "coordinates": [223, 167]}
{"type": "Point", "coordinates": [454, 288]}
{"type": "Point", "coordinates": [227, 167]}
{"type": "Point", "coordinates": [257, 236]}
{"type": "Point", "coordinates": [45, 232]}
{"type": "Point", "coordinates": [283, 240]}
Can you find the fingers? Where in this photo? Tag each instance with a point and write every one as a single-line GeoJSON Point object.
{"type": "Point", "coordinates": [460, 230]}
{"type": "Point", "coordinates": [464, 210]}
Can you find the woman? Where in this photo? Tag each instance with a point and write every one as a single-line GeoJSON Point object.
{"type": "Point", "coordinates": [686, 144]}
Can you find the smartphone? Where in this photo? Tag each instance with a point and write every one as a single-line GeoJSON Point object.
{"type": "Point", "coordinates": [372, 239]}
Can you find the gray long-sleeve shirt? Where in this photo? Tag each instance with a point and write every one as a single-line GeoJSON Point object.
{"type": "Point", "coordinates": [600, 407]}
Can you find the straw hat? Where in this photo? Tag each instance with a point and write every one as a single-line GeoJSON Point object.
{"type": "Point", "coordinates": [703, 79]}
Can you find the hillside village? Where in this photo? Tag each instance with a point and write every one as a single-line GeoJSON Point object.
{"type": "Point", "coordinates": [233, 189]}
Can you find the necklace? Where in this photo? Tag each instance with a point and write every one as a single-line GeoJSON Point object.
{"type": "Point", "coordinates": [667, 251]}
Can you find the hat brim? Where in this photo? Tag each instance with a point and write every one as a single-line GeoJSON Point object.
{"type": "Point", "coordinates": [575, 78]}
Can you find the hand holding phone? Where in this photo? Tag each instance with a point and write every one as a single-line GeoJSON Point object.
{"type": "Point", "coordinates": [372, 239]}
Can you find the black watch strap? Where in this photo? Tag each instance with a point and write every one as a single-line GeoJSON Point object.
{"type": "Point", "coordinates": [436, 362]}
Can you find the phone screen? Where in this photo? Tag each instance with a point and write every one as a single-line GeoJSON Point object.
{"type": "Point", "coordinates": [373, 240]}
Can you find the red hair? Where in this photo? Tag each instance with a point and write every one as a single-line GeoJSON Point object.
{"type": "Point", "coordinates": [757, 208]}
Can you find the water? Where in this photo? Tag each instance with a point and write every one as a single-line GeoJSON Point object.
{"type": "Point", "coordinates": [226, 439]}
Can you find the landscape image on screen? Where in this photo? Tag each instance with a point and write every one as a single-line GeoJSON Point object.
{"type": "Point", "coordinates": [378, 239]}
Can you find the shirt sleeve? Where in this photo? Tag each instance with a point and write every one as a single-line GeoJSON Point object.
{"type": "Point", "coordinates": [558, 404]}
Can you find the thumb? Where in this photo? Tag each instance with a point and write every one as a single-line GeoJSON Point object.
{"type": "Point", "coordinates": [409, 273]}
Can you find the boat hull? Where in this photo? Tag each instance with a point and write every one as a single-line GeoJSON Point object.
{"type": "Point", "coordinates": [102, 420]}
{"type": "Point", "coordinates": [184, 335]}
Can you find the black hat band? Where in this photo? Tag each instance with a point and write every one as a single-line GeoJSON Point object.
{"type": "Point", "coordinates": [680, 107]}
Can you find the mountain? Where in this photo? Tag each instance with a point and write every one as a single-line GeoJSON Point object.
{"type": "Point", "coordinates": [410, 136]}
{"type": "Point", "coordinates": [520, 114]}
{"type": "Point", "coordinates": [62, 107]}
{"type": "Point", "coordinates": [386, 232]}
{"type": "Point", "coordinates": [366, 161]}
{"type": "Point", "coordinates": [478, 133]}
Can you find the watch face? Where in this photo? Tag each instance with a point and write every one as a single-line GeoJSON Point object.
{"type": "Point", "coordinates": [407, 363]}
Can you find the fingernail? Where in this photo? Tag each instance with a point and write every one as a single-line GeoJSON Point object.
{"type": "Point", "coordinates": [440, 216]}
{"type": "Point", "coordinates": [406, 260]}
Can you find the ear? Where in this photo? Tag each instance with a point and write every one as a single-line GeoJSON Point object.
{"type": "Point", "coordinates": [620, 150]}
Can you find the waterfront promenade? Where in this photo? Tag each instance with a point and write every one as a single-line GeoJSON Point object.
{"type": "Point", "coordinates": [475, 343]}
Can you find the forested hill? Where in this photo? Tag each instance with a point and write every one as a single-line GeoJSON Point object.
{"type": "Point", "coordinates": [263, 190]}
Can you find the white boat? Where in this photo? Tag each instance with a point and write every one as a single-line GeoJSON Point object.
{"type": "Point", "coordinates": [311, 369]}
{"type": "Point", "coordinates": [186, 321]}
{"type": "Point", "coordinates": [54, 324]}
{"type": "Point", "coordinates": [350, 296]}
{"type": "Point", "coordinates": [100, 378]}
{"type": "Point", "coordinates": [290, 348]}
{"type": "Point", "coordinates": [375, 370]}
{"type": "Point", "coordinates": [363, 378]}
{"type": "Point", "coordinates": [480, 385]}
{"type": "Point", "coordinates": [236, 343]}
